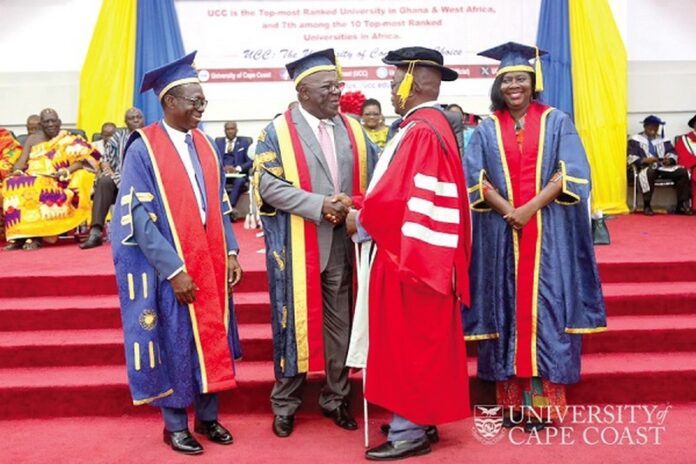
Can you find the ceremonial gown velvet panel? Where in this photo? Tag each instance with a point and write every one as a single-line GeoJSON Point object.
{"type": "Point", "coordinates": [165, 347]}
{"type": "Point", "coordinates": [417, 215]}
{"type": "Point", "coordinates": [292, 255]}
{"type": "Point", "coordinates": [528, 315]}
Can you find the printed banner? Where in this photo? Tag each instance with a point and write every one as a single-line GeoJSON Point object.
{"type": "Point", "coordinates": [243, 44]}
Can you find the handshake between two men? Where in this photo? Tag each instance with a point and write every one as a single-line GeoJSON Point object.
{"type": "Point", "coordinates": [336, 208]}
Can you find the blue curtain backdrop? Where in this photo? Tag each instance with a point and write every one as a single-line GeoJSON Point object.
{"type": "Point", "coordinates": [553, 36]}
{"type": "Point", "coordinates": [158, 41]}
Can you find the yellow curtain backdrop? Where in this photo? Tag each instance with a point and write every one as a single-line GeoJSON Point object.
{"type": "Point", "coordinates": [600, 77]}
{"type": "Point", "coordinates": [106, 80]}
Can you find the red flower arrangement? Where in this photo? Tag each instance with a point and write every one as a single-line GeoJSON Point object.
{"type": "Point", "coordinates": [352, 102]}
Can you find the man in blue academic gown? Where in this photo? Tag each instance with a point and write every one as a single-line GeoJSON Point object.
{"type": "Point", "coordinates": [310, 164]}
{"type": "Point", "coordinates": [175, 257]}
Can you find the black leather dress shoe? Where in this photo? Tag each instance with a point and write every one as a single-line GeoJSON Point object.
{"type": "Point", "coordinates": [342, 417]}
{"type": "Point", "coordinates": [647, 210]}
{"type": "Point", "coordinates": [214, 431]}
{"type": "Point", "coordinates": [512, 421]}
{"type": "Point", "coordinates": [92, 241]}
{"type": "Point", "coordinates": [391, 451]}
{"type": "Point", "coordinates": [283, 425]}
{"type": "Point", "coordinates": [534, 425]}
{"type": "Point", "coordinates": [430, 432]}
{"type": "Point", "coordinates": [182, 442]}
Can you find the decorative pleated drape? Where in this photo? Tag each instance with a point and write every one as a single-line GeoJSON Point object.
{"type": "Point", "coordinates": [158, 42]}
{"type": "Point", "coordinates": [600, 81]}
{"type": "Point", "coordinates": [107, 76]}
{"type": "Point", "coordinates": [130, 38]}
{"type": "Point", "coordinates": [554, 37]}
{"type": "Point", "coordinates": [586, 76]}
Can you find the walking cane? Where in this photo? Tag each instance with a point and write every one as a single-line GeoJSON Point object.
{"type": "Point", "coordinates": [365, 418]}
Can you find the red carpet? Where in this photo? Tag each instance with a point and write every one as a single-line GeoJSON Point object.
{"type": "Point", "coordinates": [61, 355]}
{"type": "Point", "coordinates": [138, 440]}
{"type": "Point", "coordinates": [649, 249]}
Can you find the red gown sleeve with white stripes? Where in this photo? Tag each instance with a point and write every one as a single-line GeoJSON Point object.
{"type": "Point", "coordinates": [418, 212]}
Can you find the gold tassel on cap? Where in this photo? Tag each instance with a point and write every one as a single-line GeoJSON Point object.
{"type": "Point", "coordinates": [537, 70]}
{"type": "Point", "coordinates": [405, 87]}
{"type": "Point", "coordinates": [339, 70]}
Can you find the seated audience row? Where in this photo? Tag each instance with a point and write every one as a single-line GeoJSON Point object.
{"type": "Point", "coordinates": [653, 157]}
{"type": "Point", "coordinates": [47, 189]}
{"type": "Point", "coordinates": [57, 180]}
{"type": "Point", "coordinates": [113, 145]}
{"type": "Point", "coordinates": [48, 192]}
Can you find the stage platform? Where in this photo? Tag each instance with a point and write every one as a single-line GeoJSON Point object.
{"type": "Point", "coordinates": [61, 353]}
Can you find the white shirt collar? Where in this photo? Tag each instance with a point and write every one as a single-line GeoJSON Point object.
{"type": "Point", "coordinates": [175, 134]}
{"type": "Point", "coordinates": [422, 105]}
{"type": "Point", "coordinates": [312, 120]}
{"type": "Point", "coordinates": [179, 140]}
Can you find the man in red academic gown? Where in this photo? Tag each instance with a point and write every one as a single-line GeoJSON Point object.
{"type": "Point", "coordinates": [685, 147]}
{"type": "Point", "coordinates": [416, 214]}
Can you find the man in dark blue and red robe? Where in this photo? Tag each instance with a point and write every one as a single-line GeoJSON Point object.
{"type": "Point", "coordinates": [175, 257]}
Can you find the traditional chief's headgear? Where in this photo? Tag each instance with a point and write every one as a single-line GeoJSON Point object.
{"type": "Point", "coordinates": [161, 80]}
{"type": "Point", "coordinates": [514, 57]}
{"type": "Point", "coordinates": [323, 60]}
{"type": "Point", "coordinates": [410, 57]}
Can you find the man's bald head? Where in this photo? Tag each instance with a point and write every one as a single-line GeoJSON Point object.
{"type": "Point", "coordinates": [48, 112]}
{"type": "Point", "coordinates": [50, 122]}
{"type": "Point", "coordinates": [231, 130]}
{"type": "Point", "coordinates": [134, 119]}
{"type": "Point", "coordinates": [33, 123]}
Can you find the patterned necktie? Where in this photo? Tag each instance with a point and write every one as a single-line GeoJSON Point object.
{"type": "Point", "coordinates": [327, 147]}
{"type": "Point", "coordinates": [198, 171]}
{"type": "Point", "coordinates": [230, 146]}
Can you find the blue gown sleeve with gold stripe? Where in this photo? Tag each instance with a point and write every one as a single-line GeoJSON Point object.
{"type": "Point", "coordinates": [140, 269]}
{"type": "Point", "coordinates": [570, 300]}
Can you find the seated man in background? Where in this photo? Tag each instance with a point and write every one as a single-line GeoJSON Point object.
{"type": "Point", "coordinates": [134, 120]}
{"type": "Point", "coordinates": [48, 191]}
{"type": "Point", "coordinates": [373, 122]}
{"type": "Point", "coordinates": [469, 122]}
{"type": "Point", "coordinates": [10, 149]}
{"type": "Point", "coordinates": [233, 150]}
{"type": "Point", "coordinates": [33, 125]}
{"type": "Point", "coordinates": [109, 175]}
{"type": "Point", "coordinates": [108, 130]}
{"type": "Point", "coordinates": [686, 156]}
{"type": "Point", "coordinates": [654, 158]}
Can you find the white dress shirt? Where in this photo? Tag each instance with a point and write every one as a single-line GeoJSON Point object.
{"type": "Point", "coordinates": [313, 122]}
{"type": "Point", "coordinates": [229, 144]}
{"type": "Point", "coordinates": [179, 140]}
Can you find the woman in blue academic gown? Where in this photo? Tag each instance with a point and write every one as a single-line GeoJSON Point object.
{"type": "Point", "coordinates": [534, 281]}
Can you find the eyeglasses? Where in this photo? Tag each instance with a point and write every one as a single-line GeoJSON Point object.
{"type": "Point", "coordinates": [332, 87]}
{"type": "Point", "coordinates": [371, 114]}
{"type": "Point", "coordinates": [519, 79]}
{"type": "Point", "coordinates": [199, 103]}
